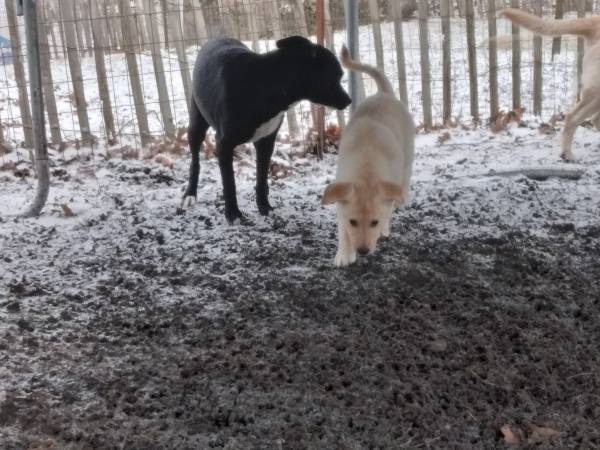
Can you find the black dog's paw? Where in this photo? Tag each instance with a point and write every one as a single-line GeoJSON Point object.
{"type": "Point", "coordinates": [264, 208]}
{"type": "Point", "coordinates": [236, 217]}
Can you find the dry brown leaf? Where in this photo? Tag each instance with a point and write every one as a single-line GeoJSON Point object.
{"type": "Point", "coordinates": [556, 118]}
{"type": "Point", "coordinates": [444, 137]}
{"type": "Point", "coordinates": [546, 128]}
{"type": "Point", "coordinates": [181, 132]}
{"type": "Point", "coordinates": [165, 161]}
{"type": "Point", "coordinates": [10, 165]}
{"type": "Point", "coordinates": [541, 434]}
{"type": "Point", "coordinates": [279, 169]}
{"type": "Point", "coordinates": [513, 435]}
{"type": "Point", "coordinates": [68, 212]}
{"type": "Point", "coordinates": [4, 150]}
{"type": "Point", "coordinates": [532, 434]}
{"type": "Point", "coordinates": [210, 149]}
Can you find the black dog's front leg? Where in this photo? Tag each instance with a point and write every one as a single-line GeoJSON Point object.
{"type": "Point", "coordinates": [225, 154]}
{"type": "Point", "coordinates": [264, 151]}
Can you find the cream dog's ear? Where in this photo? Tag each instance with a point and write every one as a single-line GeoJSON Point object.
{"type": "Point", "coordinates": [393, 191]}
{"type": "Point", "coordinates": [336, 192]}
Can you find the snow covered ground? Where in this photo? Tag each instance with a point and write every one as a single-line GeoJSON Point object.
{"type": "Point", "coordinates": [453, 180]}
{"type": "Point", "coordinates": [126, 322]}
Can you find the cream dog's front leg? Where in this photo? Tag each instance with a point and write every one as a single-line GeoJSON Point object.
{"type": "Point", "coordinates": [385, 229]}
{"type": "Point", "coordinates": [345, 254]}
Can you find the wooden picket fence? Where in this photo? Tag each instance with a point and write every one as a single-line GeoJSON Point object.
{"type": "Point", "coordinates": [156, 41]}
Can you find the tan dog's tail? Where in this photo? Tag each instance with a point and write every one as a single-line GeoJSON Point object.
{"type": "Point", "coordinates": [383, 84]}
{"type": "Point", "coordinates": [586, 27]}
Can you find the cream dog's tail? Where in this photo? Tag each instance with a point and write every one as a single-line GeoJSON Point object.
{"type": "Point", "coordinates": [383, 84]}
{"type": "Point", "coordinates": [588, 27]}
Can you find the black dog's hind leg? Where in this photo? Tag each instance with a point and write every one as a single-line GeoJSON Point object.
{"type": "Point", "coordinates": [225, 155]}
{"type": "Point", "coordinates": [196, 134]}
{"type": "Point", "coordinates": [264, 151]}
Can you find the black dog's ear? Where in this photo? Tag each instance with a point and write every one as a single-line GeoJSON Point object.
{"type": "Point", "coordinates": [293, 42]}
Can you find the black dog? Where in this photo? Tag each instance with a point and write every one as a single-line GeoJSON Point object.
{"type": "Point", "coordinates": [243, 96]}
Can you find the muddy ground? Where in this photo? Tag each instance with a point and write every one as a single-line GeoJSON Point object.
{"type": "Point", "coordinates": [139, 326]}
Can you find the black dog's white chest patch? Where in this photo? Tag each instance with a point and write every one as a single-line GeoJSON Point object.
{"type": "Point", "coordinates": [267, 128]}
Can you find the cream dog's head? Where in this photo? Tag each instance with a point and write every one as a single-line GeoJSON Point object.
{"type": "Point", "coordinates": [364, 210]}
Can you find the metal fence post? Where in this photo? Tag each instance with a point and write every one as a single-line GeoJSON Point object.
{"type": "Point", "coordinates": [28, 7]}
{"type": "Point", "coordinates": [351, 9]}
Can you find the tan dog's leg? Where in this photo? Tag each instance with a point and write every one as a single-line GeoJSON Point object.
{"type": "Point", "coordinates": [385, 231]}
{"type": "Point", "coordinates": [584, 109]}
{"type": "Point", "coordinates": [345, 254]}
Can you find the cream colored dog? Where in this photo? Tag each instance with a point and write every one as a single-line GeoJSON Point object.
{"type": "Point", "coordinates": [589, 29]}
{"type": "Point", "coordinates": [374, 168]}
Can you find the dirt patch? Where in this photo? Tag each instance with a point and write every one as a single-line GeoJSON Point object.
{"type": "Point", "coordinates": [431, 343]}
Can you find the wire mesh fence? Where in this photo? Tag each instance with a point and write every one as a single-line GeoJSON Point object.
{"type": "Point", "coordinates": [117, 73]}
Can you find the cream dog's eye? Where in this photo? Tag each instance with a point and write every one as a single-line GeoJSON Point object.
{"type": "Point", "coordinates": [353, 222]}
{"type": "Point", "coordinates": [374, 223]}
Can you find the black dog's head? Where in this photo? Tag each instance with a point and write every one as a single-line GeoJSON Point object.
{"type": "Point", "coordinates": [320, 70]}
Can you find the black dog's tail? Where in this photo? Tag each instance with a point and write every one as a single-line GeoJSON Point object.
{"type": "Point", "coordinates": [383, 84]}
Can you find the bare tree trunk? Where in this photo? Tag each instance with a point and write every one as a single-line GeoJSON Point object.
{"type": "Point", "coordinates": [472, 54]}
{"type": "Point", "coordinates": [359, 79]}
{"type": "Point", "coordinates": [165, 15]}
{"type": "Point", "coordinates": [580, 48]}
{"type": "Point", "coordinates": [396, 13]}
{"type": "Point", "coordinates": [377, 38]}
{"type": "Point", "coordinates": [493, 57]}
{"type": "Point", "coordinates": [560, 5]}
{"type": "Point", "coordinates": [66, 10]}
{"type": "Point", "coordinates": [98, 35]}
{"type": "Point", "coordinates": [84, 15]}
{"type": "Point", "coordinates": [112, 25]}
{"type": "Point", "coordinates": [516, 62]}
{"type": "Point", "coordinates": [142, 19]}
{"type": "Point", "coordinates": [425, 65]}
{"type": "Point", "coordinates": [292, 120]}
{"type": "Point", "coordinates": [47, 82]}
{"type": "Point", "coordinates": [537, 64]}
{"type": "Point", "coordinates": [37, 106]}
{"type": "Point", "coordinates": [200, 24]}
{"type": "Point", "coordinates": [301, 17]}
{"type": "Point", "coordinates": [159, 71]}
{"type": "Point", "coordinates": [445, 7]}
{"type": "Point", "coordinates": [341, 116]}
{"type": "Point", "coordinates": [176, 38]}
{"type": "Point", "coordinates": [301, 21]}
{"type": "Point", "coordinates": [189, 22]}
{"type": "Point", "coordinates": [79, 28]}
{"type": "Point", "coordinates": [252, 25]}
{"type": "Point", "coordinates": [129, 45]}
{"type": "Point", "coordinates": [52, 20]}
{"type": "Point", "coordinates": [17, 52]}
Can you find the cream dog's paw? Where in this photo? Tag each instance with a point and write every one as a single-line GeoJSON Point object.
{"type": "Point", "coordinates": [344, 257]}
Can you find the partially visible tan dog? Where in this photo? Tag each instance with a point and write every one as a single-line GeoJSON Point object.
{"type": "Point", "coordinates": [589, 29]}
{"type": "Point", "coordinates": [374, 167]}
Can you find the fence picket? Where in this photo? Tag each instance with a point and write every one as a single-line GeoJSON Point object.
{"type": "Point", "coordinates": [493, 59]}
{"type": "Point", "coordinates": [396, 13]}
{"type": "Point", "coordinates": [472, 56]}
{"type": "Point", "coordinates": [17, 52]}
{"type": "Point", "coordinates": [47, 81]}
{"type": "Point", "coordinates": [537, 64]}
{"type": "Point", "coordinates": [516, 61]}
{"type": "Point", "coordinates": [98, 37]}
{"type": "Point", "coordinates": [445, 7]}
{"type": "Point", "coordinates": [425, 66]}
{"type": "Point", "coordinates": [129, 44]}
